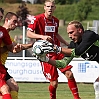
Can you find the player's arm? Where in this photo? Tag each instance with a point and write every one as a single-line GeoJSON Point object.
{"type": "Point", "coordinates": [3, 49]}
{"type": "Point", "coordinates": [15, 48]}
{"type": "Point", "coordinates": [19, 47]}
{"type": "Point", "coordinates": [10, 48]}
{"type": "Point", "coordinates": [26, 46]}
{"type": "Point", "coordinates": [67, 51]}
{"type": "Point", "coordinates": [33, 35]}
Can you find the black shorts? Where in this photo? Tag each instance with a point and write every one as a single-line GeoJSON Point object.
{"type": "Point", "coordinates": [8, 76]}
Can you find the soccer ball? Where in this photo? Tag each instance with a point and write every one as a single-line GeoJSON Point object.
{"type": "Point", "coordinates": [42, 46]}
{"type": "Point", "coordinates": [37, 47]}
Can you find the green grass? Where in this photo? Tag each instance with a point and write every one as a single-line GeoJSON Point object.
{"type": "Point", "coordinates": [40, 91]}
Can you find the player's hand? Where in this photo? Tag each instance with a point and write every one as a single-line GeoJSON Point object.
{"type": "Point", "coordinates": [18, 48]}
{"type": "Point", "coordinates": [57, 49]}
{"type": "Point", "coordinates": [48, 38]}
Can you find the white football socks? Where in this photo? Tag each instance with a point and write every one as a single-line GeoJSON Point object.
{"type": "Point", "coordinates": [96, 88]}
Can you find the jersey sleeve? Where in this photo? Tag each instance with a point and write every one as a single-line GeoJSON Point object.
{"type": "Point", "coordinates": [33, 24]}
{"type": "Point", "coordinates": [6, 37]}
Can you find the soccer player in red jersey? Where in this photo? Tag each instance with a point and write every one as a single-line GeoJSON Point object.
{"type": "Point", "coordinates": [4, 36]}
{"type": "Point", "coordinates": [45, 26]}
{"type": "Point", "coordinates": [5, 46]}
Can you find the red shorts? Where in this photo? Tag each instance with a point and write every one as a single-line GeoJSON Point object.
{"type": "Point", "coordinates": [49, 71]}
{"type": "Point", "coordinates": [3, 72]}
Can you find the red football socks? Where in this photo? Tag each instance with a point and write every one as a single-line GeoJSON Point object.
{"type": "Point", "coordinates": [52, 92]}
{"type": "Point", "coordinates": [73, 87]}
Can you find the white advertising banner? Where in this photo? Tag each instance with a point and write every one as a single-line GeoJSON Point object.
{"type": "Point", "coordinates": [31, 71]}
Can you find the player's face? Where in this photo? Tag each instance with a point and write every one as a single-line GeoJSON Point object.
{"type": "Point", "coordinates": [74, 33]}
{"type": "Point", "coordinates": [13, 23]}
{"type": "Point", "coordinates": [1, 15]}
{"type": "Point", "coordinates": [49, 8]}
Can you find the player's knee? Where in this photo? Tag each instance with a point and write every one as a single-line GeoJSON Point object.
{"type": "Point", "coordinates": [12, 84]}
{"type": "Point", "coordinates": [69, 74]}
{"type": "Point", "coordinates": [54, 84]}
{"type": "Point", "coordinates": [5, 89]}
{"type": "Point", "coordinates": [15, 88]}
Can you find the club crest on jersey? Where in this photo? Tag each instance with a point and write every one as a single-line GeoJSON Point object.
{"type": "Point", "coordinates": [49, 28]}
{"type": "Point", "coordinates": [1, 34]}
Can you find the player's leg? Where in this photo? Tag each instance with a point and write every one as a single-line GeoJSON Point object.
{"type": "Point", "coordinates": [13, 86]}
{"type": "Point", "coordinates": [4, 88]}
{"type": "Point", "coordinates": [5, 92]}
{"type": "Point", "coordinates": [52, 89]}
{"type": "Point", "coordinates": [51, 74]}
{"type": "Point", "coordinates": [0, 96]}
{"type": "Point", "coordinates": [96, 88]}
{"type": "Point", "coordinates": [71, 81]}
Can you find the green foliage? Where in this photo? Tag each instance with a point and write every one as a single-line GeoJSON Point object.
{"type": "Point", "coordinates": [94, 14]}
{"type": "Point", "coordinates": [11, 1]}
{"type": "Point", "coordinates": [83, 9]}
{"type": "Point", "coordinates": [94, 2]}
{"type": "Point", "coordinates": [61, 2]}
{"type": "Point", "coordinates": [65, 12]}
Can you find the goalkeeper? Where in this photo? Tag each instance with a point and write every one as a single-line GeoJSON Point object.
{"type": "Point", "coordinates": [84, 44]}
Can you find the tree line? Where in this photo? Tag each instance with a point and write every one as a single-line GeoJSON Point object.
{"type": "Point", "coordinates": [61, 2]}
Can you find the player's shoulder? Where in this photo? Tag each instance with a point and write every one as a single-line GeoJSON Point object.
{"type": "Point", "coordinates": [2, 28]}
{"type": "Point", "coordinates": [72, 44]}
{"type": "Point", "coordinates": [89, 32]}
{"type": "Point", "coordinates": [39, 16]}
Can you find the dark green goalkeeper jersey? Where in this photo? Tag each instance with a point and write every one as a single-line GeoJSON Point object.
{"type": "Point", "coordinates": [87, 48]}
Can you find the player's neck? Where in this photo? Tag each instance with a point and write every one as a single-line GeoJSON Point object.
{"type": "Point", "coordinates": [6, 27]}
{"type": "Point", "coordinates": [48, 16]}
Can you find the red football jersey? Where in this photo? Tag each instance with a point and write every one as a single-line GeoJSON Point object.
{"type": "Point", "coordinates": [4, 37]}
{"type": "Point", "coordinates": [41, 25]}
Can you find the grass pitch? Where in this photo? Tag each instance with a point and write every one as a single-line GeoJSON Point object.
{"type": "Point", "coordinates": [40, 91]}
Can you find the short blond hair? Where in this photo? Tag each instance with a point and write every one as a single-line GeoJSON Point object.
{"type": "Point", "coordinates": [53, 1]}
{"type": "Point", "coordinates": [77, 24]}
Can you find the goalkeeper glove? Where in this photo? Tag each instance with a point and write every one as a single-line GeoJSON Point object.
{"type": "Point", "coordinates": [57, 49]}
